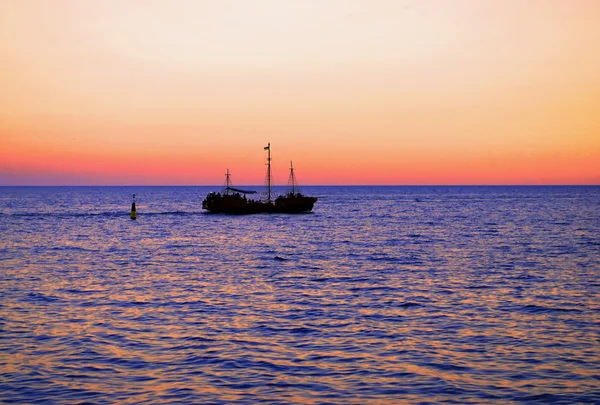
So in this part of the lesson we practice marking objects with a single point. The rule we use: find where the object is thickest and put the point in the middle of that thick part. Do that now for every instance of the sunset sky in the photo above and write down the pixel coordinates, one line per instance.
(128, 92)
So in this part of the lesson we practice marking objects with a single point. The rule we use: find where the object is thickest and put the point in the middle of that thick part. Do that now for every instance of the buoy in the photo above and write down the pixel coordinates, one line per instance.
(133, 214)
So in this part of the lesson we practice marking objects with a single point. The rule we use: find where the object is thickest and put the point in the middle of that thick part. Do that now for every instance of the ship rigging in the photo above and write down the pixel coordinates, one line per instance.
(234, 201)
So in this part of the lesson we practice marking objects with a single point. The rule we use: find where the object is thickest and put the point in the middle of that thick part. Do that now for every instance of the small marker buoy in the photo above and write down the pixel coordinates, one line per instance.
(133, 214)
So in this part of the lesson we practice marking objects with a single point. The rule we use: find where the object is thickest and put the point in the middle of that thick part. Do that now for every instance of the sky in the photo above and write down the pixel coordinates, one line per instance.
(400, 92)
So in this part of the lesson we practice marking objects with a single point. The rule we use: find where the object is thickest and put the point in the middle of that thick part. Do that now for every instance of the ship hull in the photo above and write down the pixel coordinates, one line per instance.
(238, 205)
(294, 204)
(234, 204)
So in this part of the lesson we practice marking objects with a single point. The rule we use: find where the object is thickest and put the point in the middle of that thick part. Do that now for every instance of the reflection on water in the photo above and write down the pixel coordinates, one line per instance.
(392, 294)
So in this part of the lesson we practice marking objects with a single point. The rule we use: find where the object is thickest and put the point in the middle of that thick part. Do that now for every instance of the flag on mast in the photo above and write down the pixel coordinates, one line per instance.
(267, 147)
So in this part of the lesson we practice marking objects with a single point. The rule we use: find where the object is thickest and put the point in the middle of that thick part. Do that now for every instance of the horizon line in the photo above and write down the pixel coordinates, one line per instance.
(311, 185)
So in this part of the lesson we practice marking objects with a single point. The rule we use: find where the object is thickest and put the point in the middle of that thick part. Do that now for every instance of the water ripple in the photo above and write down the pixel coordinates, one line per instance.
(382, 295)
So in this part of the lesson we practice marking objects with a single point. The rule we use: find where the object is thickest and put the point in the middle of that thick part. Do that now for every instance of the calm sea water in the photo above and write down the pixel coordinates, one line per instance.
(381, 295)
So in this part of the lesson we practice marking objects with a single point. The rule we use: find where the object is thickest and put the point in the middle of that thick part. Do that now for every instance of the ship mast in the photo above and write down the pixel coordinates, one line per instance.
(227, 182)
(292, 180)
(268, 149)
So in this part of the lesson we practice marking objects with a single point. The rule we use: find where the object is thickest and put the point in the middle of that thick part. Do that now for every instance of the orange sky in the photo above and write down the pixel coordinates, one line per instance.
(353, 91)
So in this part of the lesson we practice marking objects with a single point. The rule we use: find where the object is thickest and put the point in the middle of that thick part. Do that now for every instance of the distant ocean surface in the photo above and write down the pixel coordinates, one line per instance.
(382, 295)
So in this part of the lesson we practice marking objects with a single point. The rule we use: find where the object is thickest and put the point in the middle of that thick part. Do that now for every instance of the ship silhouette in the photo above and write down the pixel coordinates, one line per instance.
(233, 200)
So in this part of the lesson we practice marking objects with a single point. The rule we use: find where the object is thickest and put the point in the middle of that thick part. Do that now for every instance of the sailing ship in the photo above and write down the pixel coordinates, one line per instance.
(233, 200)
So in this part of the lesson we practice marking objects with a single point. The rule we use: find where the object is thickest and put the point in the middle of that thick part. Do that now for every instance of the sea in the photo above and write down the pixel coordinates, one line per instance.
(381, 295)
